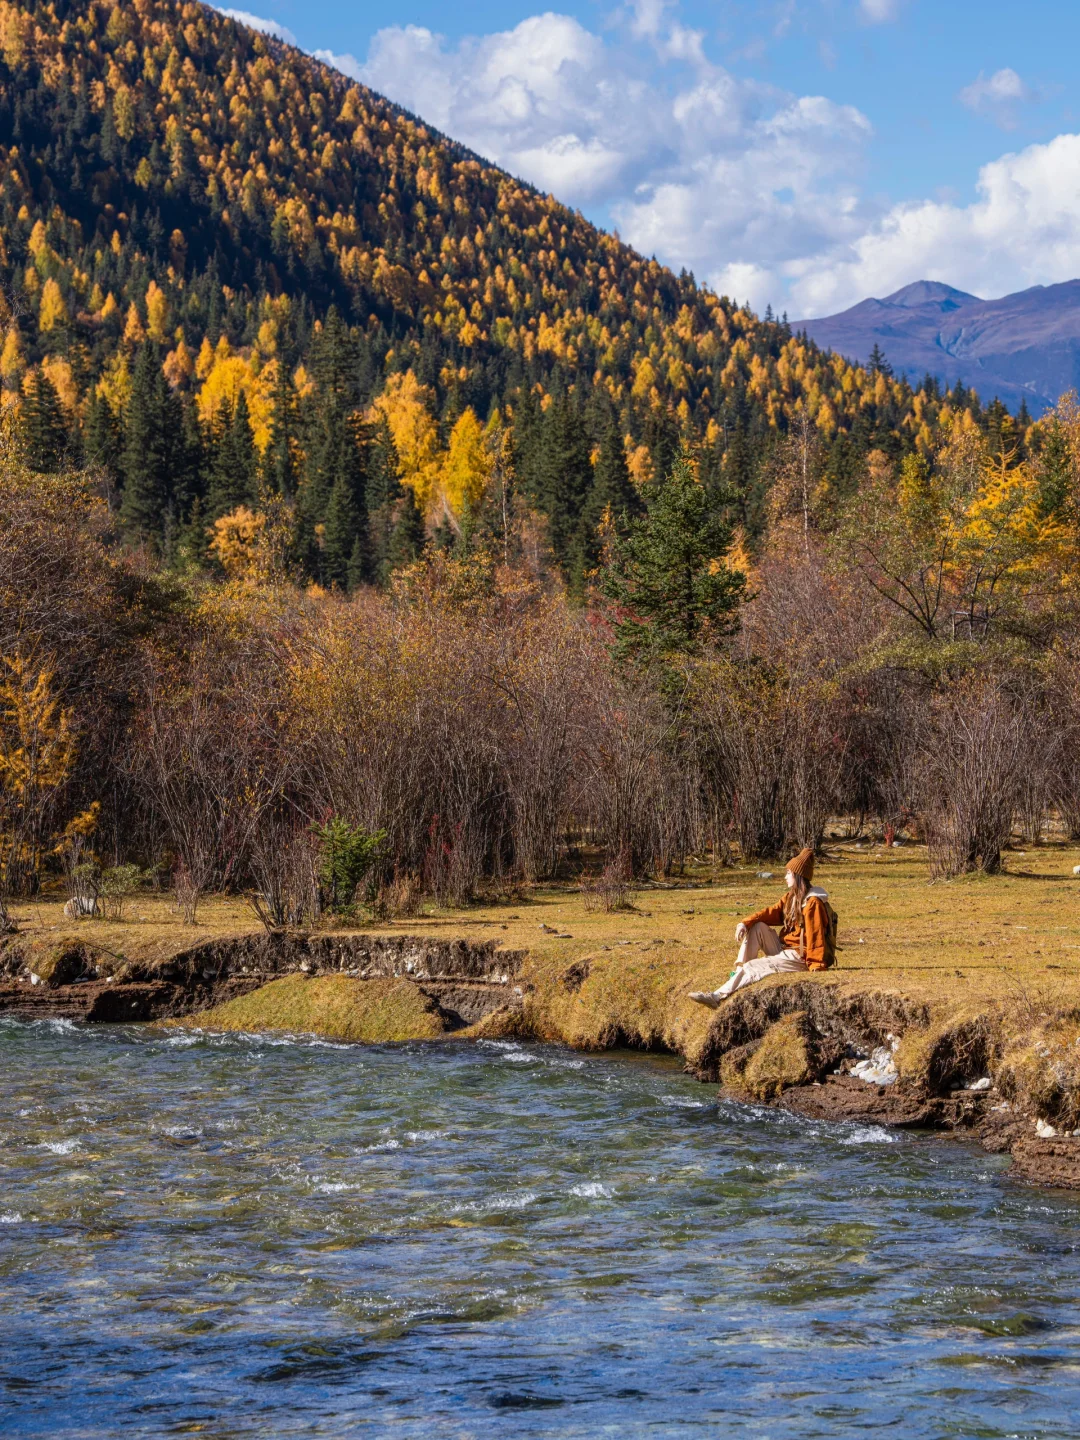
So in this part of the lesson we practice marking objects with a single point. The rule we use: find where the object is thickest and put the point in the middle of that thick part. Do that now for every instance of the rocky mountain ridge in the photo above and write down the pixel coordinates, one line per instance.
(1023, 347)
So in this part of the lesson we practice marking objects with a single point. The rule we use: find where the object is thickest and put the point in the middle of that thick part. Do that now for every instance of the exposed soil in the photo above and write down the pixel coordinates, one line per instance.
(466, 980)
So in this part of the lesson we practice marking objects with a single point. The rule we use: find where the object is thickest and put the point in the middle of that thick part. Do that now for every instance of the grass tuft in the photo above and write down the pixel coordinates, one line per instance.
(334, 1006)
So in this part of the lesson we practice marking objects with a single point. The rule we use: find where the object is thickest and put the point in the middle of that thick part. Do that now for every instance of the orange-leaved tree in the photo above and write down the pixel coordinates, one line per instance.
(37, 754)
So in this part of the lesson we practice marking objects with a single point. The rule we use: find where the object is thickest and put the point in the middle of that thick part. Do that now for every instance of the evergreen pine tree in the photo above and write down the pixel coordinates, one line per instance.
(341, 535)
(407, 536)
(357, 569)
(564, 480)
(613, 493)
(233, 464)
(384, 495)
(1055, 473)
(149, 445)
(877, 364)
(44, 433)
(662, 438)
(668, 575)
(335, 459)
(279, 461)
(103, 438)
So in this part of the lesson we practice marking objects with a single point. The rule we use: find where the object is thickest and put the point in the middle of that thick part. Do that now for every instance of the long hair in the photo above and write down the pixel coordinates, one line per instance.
(793, 902)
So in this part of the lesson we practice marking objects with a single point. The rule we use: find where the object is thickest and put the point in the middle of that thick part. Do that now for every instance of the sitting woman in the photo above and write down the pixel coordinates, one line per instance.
(806, 940)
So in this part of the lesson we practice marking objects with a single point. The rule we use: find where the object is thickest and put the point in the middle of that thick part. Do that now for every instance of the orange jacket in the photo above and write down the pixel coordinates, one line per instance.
(808, 938)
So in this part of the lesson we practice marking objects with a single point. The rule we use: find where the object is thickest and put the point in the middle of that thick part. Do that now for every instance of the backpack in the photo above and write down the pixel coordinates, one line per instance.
(832, 921)
(831, 946)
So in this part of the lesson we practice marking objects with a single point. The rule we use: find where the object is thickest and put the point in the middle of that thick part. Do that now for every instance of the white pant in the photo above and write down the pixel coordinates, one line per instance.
(775, 960)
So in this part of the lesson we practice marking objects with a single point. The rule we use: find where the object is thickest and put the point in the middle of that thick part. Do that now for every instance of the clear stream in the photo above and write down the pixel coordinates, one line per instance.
(253, 1237)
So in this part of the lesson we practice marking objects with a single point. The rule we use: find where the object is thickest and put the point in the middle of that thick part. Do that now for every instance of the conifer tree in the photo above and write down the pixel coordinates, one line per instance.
(384, 494)
(103, 438)
(151, 439)
(1055, 473)
(564, 480)
(341, 537)
(668, 577)
(613, 494)
(407, 536)
(279, 459)
(334, 465)
(234, 465)
(44, 433)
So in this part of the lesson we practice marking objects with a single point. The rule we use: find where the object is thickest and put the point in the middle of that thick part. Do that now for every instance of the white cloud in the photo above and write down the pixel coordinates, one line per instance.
(256, 22)
(997, 96)
(1023, 229)
(542, 99)
(704, 171)
(879, 12)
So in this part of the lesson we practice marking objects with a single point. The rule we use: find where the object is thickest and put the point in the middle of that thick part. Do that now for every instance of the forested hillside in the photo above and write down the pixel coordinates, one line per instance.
(260, 299)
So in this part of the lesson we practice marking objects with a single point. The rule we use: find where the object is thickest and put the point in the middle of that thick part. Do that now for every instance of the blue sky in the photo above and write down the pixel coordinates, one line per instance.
(805, 153)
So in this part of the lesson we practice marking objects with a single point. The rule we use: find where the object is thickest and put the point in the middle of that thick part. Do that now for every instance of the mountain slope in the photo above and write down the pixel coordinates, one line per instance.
(1021, 348)
(187, 206)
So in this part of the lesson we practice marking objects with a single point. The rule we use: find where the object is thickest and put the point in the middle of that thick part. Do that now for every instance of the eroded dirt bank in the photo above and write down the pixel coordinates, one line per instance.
(462, 981)
(1011, 1081)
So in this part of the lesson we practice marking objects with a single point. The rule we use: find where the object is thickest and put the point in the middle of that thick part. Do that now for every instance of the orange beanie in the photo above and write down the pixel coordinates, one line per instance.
(802, 864)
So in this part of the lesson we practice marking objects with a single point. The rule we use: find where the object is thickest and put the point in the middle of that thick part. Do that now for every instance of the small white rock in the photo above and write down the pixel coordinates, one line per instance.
(896, 844)
(1044, 1131)
(880, 1069)
(1076, 869)
(984, 1084)
(764, 874)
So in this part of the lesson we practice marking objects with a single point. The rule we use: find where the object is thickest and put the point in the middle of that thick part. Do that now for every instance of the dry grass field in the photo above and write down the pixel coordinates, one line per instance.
(975, 939)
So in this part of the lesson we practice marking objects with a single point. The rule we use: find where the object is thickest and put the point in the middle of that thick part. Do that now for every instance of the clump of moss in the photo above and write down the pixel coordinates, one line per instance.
(335, 1006)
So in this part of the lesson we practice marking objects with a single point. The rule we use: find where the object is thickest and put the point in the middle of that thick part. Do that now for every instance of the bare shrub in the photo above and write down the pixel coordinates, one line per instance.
(387, 735)
(541, 670)
(775, 748)
(400, 898)
(1064, 709)
(283, 860)
(209, 755)
(613, 889)
(774, 715)
(978, 739)
(639, 794)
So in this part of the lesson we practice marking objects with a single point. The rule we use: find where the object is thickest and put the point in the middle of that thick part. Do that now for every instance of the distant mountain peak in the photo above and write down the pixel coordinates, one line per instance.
(1022, 347)
(930, 292)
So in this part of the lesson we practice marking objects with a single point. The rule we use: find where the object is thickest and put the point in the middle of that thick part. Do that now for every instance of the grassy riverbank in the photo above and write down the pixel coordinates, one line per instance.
(979, 938)
(973, 977)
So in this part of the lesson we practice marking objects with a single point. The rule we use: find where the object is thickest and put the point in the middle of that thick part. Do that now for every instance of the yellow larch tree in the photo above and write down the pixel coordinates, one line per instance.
(404, 405)
(468, 465)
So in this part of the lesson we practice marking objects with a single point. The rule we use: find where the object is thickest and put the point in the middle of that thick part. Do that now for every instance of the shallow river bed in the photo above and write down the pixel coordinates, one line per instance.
(252, 1237)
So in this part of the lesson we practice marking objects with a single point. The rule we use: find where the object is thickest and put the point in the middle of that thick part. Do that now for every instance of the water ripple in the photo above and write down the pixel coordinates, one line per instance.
(280, 1237)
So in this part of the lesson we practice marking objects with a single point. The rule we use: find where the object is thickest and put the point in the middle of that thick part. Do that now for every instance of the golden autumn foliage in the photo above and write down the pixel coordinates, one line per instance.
(37, 752)
(405, 405)
(262, 162)
(468, 465)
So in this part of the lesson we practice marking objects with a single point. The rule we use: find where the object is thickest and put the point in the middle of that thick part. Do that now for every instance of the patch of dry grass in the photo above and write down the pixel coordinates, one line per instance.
(372, 1012)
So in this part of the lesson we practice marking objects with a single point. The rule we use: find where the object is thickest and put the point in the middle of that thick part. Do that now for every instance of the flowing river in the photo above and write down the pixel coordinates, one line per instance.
(253, 1237)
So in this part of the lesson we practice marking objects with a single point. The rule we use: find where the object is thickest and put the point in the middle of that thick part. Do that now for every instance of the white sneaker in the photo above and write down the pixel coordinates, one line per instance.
(711, 998)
